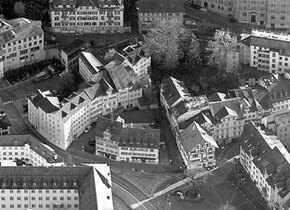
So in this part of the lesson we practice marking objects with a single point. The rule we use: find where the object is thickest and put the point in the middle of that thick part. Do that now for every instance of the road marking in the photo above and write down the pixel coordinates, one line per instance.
(141, 204)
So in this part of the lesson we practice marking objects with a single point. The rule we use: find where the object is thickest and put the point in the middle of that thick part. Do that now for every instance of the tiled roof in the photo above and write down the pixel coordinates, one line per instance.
(216, 97)
(149, 97)
(194, 135)
(280, 91)
(160, 6)
(201, 117)
(246, 41)
(269, 155)
(262, 95)
(74, 46)
(139, 137)
(40, 148)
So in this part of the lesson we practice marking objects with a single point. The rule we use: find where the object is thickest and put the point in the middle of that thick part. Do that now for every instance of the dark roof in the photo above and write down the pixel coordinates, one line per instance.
(149, 97)
(202, 117)
(139, 116)
(139, 137)
(103, 124)
(247, 95)
(280, 91)
(266, 158)
(269, 43)
(160, 6)
(247, 72)
(43, 103)
(170, 91)
(216, 96)
(246, 41)
(74, 46)
(262, 95)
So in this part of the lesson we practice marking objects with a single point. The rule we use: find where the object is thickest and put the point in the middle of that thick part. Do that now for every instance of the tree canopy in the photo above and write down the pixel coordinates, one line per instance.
(67, 85)
(19, 8)
(171, 43)
(222, 42)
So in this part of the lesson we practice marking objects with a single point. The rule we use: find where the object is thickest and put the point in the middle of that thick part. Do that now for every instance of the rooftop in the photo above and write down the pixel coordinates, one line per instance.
(92, 63)
(74, 46)
(160, 6)
(139, 116)
(269, 155)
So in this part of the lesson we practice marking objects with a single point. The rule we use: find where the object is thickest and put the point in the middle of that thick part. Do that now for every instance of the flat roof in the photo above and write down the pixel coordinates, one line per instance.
(93, 62)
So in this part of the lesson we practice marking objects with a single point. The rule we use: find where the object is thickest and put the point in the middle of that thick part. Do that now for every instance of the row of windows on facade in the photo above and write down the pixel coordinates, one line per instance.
(87, 18)
(87, 12)
(20, 41)
(8, 50)
(137, 149)
(87, 24)
(138, 154)
(40, 198)
(13, 55)
(40, 206)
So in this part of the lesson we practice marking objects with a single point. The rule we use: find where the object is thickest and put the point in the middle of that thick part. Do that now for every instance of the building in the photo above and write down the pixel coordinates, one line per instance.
(197, 147)
(278, 14)
(269, 51)
(137, 119)
(69, 55)
(60, 122)
(30, 149)
(86, 187)
(22, 43)
(130, 144)
(232, 59)
(151, 12)
(278, 122)
(267, 162)
(88, 16)
(224, 8)
(244, 46)
(149, 99)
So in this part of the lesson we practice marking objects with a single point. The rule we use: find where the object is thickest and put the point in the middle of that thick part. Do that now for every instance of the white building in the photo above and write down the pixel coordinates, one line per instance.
(21, 43)
(59, 122)
(268, 163)
(130, 144)
(88, 16)
(30, 149)
(269, 51)
(72, 188)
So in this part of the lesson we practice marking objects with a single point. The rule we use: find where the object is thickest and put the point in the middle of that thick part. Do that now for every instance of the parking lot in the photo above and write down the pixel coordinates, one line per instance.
(33, 71)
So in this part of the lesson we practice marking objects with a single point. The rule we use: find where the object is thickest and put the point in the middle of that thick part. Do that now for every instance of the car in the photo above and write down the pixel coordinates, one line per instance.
(196, 6)
(87, 129)
(92, 142)
(189, 23)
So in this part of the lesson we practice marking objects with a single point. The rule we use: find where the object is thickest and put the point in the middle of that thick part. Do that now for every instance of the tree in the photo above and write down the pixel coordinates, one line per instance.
(66, 85)
(19, 8)
(191, 51)
(163, 43)
(222, 43)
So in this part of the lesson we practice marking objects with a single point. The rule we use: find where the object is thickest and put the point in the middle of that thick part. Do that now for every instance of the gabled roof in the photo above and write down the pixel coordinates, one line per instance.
(46, 101)
(217, 96)
(139, 116)
(92, 63)
(193, 135)
(103, 124)
(262, 95)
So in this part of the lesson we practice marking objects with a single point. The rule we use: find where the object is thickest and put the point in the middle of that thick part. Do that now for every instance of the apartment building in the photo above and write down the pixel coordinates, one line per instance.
(88, 16)
(278, 14)
(130, 144)
(21, 43)
(267, 162)
(269, 51)
(60, 122)
(74, 188)
(30, 149)
(152, 11)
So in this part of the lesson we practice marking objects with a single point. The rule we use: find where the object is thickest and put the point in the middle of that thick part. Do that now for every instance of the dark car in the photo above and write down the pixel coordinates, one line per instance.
(195, 6)
(92, 142)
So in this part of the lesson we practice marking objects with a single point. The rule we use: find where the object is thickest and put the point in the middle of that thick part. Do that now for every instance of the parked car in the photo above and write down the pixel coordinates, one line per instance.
(87, 129)
(196, 6)
(92, 142)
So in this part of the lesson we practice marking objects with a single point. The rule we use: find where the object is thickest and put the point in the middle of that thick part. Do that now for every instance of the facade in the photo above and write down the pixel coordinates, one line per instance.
(224, 8)
(22, 43)
(4, 121)
(244, 50)
(267, 162)
(28, 148)
(232, 60)
(269, 51)
(151, 12)
(89, 16)
(69, 55)
(130, 144)
(278, 14)
(72, 188)
(59, 122)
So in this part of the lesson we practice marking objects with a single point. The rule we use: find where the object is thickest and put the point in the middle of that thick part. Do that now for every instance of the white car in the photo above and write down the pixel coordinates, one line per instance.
(87, 129)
